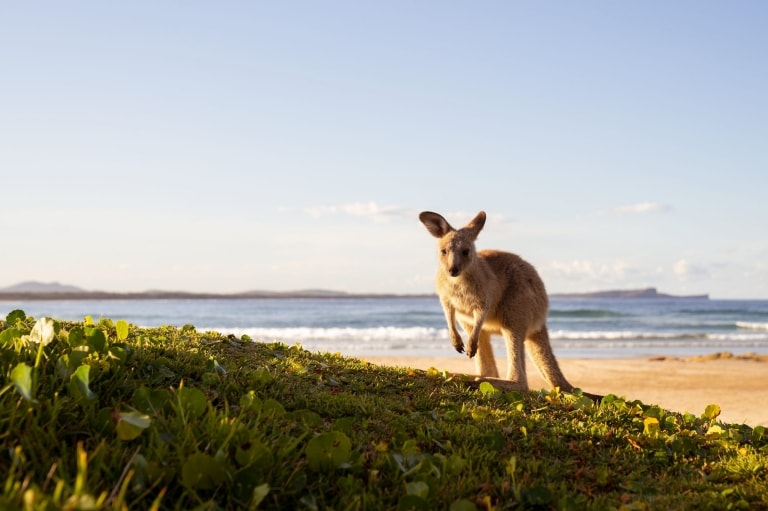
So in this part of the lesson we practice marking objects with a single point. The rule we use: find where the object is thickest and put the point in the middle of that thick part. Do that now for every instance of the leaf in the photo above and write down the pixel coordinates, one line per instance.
(328, 451)
(251, 400)
(308, 418)
(487, 389)
(43, 332)
(192, 401)
(76, 337)
(651, 426)
(413, 503)
(583, 402)
(150, 401)
(21, 377)
(463, 505)
(117, 353)
(79, 381)
(202, 472)
(213, 366)
(96, 339)
(711, 412)
(254, 452)
(273, 407)
(715, 431)
(122, 329)
(259, 494)
(131, 424)
(480, 412)
(7, 337)
(418, 488)
(14, 316)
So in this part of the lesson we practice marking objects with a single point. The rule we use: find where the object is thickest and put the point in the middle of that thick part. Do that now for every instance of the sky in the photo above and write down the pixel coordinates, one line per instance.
(233, 146)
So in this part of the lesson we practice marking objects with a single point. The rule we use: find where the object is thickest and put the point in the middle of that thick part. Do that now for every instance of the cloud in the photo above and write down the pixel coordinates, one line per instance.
(578, 270)
(639, 208)
(383, 214)
(370, 210)
(686, 271)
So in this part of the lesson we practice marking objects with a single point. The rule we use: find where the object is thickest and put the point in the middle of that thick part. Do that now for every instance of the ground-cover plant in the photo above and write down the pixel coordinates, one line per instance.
(105, 415)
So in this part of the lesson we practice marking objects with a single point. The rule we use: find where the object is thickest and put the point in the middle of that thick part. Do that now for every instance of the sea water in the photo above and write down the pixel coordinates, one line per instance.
(415, 326)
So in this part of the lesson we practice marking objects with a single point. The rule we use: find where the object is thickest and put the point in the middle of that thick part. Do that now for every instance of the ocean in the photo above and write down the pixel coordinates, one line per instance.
(414, 326)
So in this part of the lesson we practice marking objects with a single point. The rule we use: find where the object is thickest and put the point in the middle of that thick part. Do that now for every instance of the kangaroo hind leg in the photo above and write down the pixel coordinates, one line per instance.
(544, 358)
(516, 358)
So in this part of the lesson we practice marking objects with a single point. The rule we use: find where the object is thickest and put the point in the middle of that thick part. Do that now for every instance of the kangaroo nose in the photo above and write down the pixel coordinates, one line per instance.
(454, 271)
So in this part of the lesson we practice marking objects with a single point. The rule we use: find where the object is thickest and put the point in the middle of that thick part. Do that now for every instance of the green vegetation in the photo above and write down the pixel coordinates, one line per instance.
(105, 415)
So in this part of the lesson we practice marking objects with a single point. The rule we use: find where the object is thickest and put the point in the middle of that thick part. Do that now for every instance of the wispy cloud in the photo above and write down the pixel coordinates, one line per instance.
(587, 270)
(639, 208)
(370, 210)
(382, 214)
(684, 270)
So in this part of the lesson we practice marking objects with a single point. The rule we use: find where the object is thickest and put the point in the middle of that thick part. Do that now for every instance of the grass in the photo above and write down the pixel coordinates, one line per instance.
(105, 415)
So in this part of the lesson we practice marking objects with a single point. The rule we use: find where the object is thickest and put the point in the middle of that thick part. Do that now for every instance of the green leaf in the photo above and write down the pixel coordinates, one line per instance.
(711, 412)
(7, 337)
(77, 356)
(463, 505)
(14, 316)
(96, 339)
(79, 383)
(202, 472)
(117, 353)
(328, 451)
(21, 377)
(651, 426)
(76, 336)
(412, 503)
(487, 389)
(43, 332)
(254, 452)
(273, 407)
(150, 401)
(251, 400)
(213, 366)
(418, 488)
(715, 431)
(131, 424)
(122, 329)
(583, 402)
(259, 494)
(192, 401)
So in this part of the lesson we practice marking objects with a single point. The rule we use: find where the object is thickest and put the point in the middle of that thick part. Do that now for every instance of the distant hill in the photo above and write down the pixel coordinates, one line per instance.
(41, 287)
(53, 290)
(649, 292)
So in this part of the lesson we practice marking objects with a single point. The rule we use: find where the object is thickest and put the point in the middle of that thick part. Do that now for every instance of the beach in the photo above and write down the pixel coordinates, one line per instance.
(737, 383)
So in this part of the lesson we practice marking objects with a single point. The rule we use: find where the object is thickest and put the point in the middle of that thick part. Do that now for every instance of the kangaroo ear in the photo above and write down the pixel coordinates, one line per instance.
(435, 224)
(477, 223)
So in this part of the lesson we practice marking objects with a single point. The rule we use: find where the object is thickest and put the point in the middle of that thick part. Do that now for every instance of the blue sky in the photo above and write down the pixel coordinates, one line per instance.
(230, 146)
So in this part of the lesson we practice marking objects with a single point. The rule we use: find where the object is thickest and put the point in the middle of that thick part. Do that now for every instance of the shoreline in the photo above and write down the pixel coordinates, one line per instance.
(736, 383)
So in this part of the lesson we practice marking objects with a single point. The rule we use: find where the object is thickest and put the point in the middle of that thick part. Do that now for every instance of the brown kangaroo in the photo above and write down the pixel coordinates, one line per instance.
(492, 292)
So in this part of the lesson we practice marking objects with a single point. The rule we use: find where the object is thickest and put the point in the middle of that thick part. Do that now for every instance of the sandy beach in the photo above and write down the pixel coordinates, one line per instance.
(737, 383)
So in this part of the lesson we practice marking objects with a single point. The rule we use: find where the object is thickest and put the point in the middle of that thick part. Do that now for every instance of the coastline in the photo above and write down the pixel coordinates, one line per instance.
(736, 383)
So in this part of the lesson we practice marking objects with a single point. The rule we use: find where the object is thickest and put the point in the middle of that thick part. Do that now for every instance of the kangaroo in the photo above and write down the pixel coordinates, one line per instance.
(492, 292)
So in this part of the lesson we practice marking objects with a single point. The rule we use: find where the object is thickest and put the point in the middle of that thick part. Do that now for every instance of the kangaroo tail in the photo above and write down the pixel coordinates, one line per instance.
(546, 363)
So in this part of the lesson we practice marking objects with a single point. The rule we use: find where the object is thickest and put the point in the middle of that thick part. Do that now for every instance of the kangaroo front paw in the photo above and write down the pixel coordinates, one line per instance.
(458, 344)
(472, 347)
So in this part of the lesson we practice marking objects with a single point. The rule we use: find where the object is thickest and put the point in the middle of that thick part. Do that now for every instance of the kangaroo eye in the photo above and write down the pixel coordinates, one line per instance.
(465, 252)
(443, 251)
